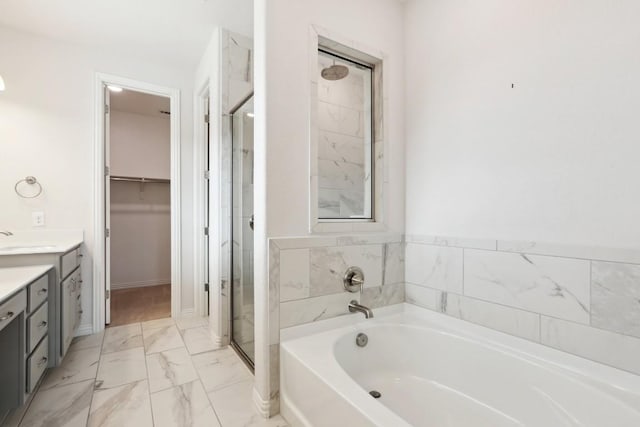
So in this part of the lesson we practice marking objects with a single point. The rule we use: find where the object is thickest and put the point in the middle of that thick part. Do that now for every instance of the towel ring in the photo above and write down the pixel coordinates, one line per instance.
(31, 180)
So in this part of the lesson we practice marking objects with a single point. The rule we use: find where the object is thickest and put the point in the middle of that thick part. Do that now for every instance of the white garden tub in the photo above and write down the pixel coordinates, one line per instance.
(437, 371)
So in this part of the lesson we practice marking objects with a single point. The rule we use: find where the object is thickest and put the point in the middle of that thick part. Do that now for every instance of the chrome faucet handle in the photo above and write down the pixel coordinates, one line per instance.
(353, 279)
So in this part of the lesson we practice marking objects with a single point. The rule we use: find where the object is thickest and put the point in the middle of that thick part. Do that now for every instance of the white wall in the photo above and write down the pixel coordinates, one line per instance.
(552, 159)
(140, 145)
(47, 130)
(140, 235)
(140, 215)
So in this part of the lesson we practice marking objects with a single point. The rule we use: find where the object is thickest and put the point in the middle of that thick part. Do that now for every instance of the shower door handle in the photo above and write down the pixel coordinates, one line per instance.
(251, 222)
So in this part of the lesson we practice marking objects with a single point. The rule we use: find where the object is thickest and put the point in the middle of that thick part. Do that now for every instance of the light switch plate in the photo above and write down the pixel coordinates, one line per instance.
(37, 219)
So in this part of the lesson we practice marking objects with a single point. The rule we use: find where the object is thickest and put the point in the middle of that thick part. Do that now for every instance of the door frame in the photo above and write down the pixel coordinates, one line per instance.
(101, 80)
(199, 168)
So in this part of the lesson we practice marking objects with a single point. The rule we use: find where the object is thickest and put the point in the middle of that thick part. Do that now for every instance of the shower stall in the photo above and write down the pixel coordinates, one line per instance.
(242, 306)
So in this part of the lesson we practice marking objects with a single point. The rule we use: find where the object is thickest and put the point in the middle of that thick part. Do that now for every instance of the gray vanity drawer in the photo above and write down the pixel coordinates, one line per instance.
(37, 363)
(69, 262)
(38, 292)
(12, 308)
(37, 326)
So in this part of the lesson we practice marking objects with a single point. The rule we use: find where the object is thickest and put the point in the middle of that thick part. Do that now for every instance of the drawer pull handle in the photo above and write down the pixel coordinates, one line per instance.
(9, 315)
(42, 291)
(42, 324)
(43, 360)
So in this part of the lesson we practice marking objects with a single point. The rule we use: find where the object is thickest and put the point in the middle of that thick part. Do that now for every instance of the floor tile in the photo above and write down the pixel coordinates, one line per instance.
(191, 322)
(86, 341)
(161, 339)
(120, 338)
(64, 406)
(121, 367)
(170, 368)
(128, 405)
(158, 323)
(220, 368)
(184, 406)
(77, 366)
(198, 340)
(234, 407)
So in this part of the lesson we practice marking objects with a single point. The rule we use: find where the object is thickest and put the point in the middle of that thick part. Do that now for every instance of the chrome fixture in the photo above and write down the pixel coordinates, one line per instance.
(31, 180)
(354, 307)
(362, 339)
(353, 279)
(375, 394)
(6, 233)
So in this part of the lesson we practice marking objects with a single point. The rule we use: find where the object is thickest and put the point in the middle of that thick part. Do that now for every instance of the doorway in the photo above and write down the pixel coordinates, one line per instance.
(137, 200)
(242, 224)
(139, 209)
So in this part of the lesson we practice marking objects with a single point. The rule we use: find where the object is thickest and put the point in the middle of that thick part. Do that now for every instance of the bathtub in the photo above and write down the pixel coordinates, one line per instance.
(437, 371)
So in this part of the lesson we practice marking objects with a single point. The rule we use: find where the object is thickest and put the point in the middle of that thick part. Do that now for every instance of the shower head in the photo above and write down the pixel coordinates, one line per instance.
(335, 72)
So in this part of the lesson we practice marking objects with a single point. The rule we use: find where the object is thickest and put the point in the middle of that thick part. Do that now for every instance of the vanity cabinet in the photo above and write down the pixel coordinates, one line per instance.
(24, 332)
(63, 294)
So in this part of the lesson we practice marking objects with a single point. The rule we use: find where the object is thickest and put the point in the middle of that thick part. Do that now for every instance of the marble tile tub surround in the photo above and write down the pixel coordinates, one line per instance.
(305, 282)
(582, 300)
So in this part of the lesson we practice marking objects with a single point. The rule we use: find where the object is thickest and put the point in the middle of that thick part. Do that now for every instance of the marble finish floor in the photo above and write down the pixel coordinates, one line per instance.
(140, 304)
(155, 373)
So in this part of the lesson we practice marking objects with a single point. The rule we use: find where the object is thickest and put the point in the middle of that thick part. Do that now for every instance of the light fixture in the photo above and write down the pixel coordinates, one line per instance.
(114, 88)
(1, 84)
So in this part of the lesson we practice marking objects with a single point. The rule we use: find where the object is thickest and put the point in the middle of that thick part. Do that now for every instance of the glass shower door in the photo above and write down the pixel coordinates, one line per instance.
(242, 320)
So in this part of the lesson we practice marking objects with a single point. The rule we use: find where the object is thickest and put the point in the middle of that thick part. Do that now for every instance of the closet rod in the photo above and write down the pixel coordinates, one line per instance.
(143, 180)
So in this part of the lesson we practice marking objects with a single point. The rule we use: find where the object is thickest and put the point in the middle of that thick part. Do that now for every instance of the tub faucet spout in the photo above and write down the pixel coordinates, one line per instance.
(354, 307)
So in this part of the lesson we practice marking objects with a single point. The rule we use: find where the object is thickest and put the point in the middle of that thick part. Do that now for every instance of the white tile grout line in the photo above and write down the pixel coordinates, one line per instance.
(95, 380)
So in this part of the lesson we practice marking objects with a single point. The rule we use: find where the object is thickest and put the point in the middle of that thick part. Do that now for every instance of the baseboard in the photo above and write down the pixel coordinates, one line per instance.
(86, 329)
(140, 284)
(189, 312)
(263, 406)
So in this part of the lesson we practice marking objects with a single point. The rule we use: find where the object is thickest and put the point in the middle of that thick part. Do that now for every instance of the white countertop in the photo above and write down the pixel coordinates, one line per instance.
(24, 242)
(13, 279)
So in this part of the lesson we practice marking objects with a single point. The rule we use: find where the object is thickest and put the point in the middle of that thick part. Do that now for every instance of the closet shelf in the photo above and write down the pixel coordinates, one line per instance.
(140, 179)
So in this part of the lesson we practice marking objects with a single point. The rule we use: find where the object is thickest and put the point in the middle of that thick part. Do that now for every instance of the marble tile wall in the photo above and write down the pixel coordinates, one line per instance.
(577, 299)
(305, 281)
(343, 142)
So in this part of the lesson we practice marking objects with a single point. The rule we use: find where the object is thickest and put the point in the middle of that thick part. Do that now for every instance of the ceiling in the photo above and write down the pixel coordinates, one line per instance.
(139, 103)
(162, 30)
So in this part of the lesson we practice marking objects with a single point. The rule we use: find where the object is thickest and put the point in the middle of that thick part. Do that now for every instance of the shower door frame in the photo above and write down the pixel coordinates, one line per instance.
(238, 349)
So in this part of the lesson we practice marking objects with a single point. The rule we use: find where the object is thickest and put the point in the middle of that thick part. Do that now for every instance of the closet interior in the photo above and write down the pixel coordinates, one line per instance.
(139, 207)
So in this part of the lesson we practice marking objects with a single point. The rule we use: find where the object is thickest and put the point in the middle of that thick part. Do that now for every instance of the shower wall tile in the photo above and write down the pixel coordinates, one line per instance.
(314, 309)
(625, 255)
(340, 148)
(434, 266)
(612, 349)
(336, 118)
(615, 297)
(553, 286)
(328, 266)
(453, 242)
(423, 297)
(382, 296)
(394, 263)
(512, 321)
(294, 276)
